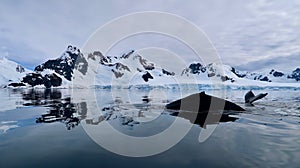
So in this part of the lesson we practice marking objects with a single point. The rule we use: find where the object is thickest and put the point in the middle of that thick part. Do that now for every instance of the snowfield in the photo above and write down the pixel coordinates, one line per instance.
(9, 73)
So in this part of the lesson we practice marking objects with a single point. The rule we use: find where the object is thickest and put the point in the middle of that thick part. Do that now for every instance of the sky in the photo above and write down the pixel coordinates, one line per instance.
(250, 35)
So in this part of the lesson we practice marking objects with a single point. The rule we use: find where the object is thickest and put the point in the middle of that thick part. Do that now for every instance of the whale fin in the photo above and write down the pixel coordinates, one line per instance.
(250, 97)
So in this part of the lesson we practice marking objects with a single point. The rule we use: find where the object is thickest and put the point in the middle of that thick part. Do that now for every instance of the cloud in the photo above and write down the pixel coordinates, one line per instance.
(242, 31)
(280, 63)
(270, 32)
(47, 28)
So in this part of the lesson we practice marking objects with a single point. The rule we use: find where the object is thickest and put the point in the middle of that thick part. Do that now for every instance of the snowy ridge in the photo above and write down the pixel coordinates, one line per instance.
(128, 69)
(11, 72)
(131, 70)
(271, 76)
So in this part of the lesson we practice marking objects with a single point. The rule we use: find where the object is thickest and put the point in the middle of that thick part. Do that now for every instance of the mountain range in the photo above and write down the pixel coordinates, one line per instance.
(74, 68)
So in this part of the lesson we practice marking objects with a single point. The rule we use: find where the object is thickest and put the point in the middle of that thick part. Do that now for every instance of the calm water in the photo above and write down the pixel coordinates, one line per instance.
(48, 128)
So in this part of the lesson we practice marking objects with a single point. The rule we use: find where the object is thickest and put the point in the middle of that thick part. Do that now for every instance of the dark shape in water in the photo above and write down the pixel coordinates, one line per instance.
(41, 97)
(61, 112)
(146, 99)
(250, 97)
(59, 109)
(202, 119)
(201, 102)
(16, 84)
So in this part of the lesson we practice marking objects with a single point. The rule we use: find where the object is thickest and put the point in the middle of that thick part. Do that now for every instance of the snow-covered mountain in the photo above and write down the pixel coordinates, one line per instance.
(76, 69)
(221, 72)
(131, 69)
(65, 64)
(233, 75)
(134, 69)
(271, 75)
(58, 72)
(11, 72)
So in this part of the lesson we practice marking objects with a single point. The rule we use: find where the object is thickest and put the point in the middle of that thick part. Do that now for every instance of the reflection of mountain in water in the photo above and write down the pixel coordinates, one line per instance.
(60, 109)
(113, 113)
(119, 111)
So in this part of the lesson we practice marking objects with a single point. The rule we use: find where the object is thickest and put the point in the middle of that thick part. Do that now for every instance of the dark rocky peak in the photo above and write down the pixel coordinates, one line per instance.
(61, 67)
(33, 79)
(52, 80)
(212, 71)
(147, 76)
(262, 78)
(73, 49)
(20, 69)
(295, 74)
(194, 68)
(48, 80)
(237, 73)
(145, 63)
(127, 55)
(167, 72)
(276, 73)
(120, 66)
(119, 69)
(64, 65)
(95, 54)
(197, 68)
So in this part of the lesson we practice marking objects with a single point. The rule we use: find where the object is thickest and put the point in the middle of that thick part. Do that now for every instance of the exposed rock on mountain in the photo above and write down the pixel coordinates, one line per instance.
(295, 75)
(64, 65)
(147, 76)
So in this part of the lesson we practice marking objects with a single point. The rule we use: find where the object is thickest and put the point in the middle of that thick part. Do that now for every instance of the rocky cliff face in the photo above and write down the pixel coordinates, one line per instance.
(64, 65)
(53, 72)
(295, 75)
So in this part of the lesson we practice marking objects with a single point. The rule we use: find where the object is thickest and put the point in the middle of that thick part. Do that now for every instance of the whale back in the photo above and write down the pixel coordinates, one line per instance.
(201, 102)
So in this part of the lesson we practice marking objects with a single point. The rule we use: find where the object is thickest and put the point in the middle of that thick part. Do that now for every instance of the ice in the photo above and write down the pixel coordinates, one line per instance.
(7, 125)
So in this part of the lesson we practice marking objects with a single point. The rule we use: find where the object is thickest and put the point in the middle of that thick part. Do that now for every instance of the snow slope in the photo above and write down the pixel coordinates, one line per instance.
(11, 72)
(125, 70)
(132, 69)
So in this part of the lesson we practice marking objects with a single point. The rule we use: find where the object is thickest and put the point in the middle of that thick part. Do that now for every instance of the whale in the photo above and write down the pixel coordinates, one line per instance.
(201, 102)
(250, 98)
(197, 107)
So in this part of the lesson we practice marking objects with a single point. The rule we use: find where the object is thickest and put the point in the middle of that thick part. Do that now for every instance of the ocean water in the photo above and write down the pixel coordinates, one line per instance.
(66, 128)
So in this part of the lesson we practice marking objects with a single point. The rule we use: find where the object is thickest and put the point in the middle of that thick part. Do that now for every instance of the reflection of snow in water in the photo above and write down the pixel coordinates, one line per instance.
(7, 125)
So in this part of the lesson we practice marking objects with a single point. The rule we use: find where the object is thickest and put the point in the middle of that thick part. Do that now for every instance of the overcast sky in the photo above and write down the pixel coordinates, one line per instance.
(252, 34)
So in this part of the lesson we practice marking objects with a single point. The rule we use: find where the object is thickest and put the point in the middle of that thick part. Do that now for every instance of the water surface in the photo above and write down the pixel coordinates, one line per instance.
(46, 128)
